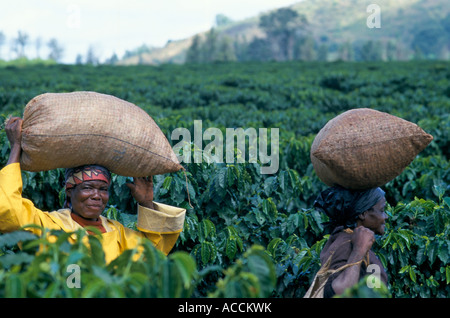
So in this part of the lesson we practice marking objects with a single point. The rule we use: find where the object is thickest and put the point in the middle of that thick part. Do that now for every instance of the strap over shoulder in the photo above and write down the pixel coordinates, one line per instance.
(320, 279)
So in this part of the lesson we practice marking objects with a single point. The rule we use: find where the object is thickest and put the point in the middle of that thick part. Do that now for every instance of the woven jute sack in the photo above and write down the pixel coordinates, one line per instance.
(365, 148)
(63, 130)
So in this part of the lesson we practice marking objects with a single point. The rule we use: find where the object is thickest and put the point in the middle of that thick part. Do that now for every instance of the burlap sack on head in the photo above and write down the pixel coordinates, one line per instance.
(364, 148)
(63, 130)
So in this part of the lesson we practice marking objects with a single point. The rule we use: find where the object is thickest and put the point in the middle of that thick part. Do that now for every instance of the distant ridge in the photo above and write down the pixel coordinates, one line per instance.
(335, 22)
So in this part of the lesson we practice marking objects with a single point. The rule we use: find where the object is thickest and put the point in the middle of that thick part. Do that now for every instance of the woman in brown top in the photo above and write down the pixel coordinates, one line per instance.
(355, 218)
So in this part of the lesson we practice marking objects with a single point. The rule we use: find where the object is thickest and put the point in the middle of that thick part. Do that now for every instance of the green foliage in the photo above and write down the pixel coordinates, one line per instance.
(65, 269)
(417, 248)
(254, 276)
(361, 290)
(248, 234)
(50, 272)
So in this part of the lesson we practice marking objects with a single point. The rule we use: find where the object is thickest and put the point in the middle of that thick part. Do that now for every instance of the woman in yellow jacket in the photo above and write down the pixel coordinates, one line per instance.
(87, 193)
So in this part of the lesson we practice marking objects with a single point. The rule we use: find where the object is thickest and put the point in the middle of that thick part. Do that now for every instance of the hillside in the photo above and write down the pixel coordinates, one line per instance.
(412, 25)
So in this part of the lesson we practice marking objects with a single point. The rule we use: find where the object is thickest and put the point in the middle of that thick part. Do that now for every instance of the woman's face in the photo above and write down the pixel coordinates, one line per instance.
(375, 218)
(89, 198)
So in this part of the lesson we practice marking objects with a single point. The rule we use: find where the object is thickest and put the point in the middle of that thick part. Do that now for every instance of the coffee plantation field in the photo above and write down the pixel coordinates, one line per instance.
(247, 234)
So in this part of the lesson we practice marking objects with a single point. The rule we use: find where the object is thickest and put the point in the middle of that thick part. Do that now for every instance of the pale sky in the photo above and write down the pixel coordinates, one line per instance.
(114, 26)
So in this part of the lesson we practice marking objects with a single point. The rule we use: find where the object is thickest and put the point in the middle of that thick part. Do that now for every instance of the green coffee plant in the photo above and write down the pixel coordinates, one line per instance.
(416, 249)
(252, 276)
(76, 269)
(48, 272)
(234, 206)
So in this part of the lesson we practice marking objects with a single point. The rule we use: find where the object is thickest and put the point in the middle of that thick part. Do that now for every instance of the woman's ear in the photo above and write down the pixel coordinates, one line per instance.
(68, 201)
(362, 216)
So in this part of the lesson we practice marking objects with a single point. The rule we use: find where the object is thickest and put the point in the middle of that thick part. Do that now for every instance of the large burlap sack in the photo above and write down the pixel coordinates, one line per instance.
(63, 130)
(364, 148)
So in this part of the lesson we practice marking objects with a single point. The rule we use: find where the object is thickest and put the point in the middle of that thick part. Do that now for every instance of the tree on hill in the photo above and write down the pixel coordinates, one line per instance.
(222, 20)
(20, 43)
(346, 52)
(215, 48)
(2, 41)
(210, 46)
(56, 50)
(259, 50)
(282, 27)
(91, 56)
(371, 51)
(225, 50)
(430, 40)
(304, 49)
(37, 45)
(193, 54)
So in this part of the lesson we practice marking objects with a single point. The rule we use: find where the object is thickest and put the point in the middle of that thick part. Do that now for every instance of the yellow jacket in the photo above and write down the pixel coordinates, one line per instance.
(161, 225)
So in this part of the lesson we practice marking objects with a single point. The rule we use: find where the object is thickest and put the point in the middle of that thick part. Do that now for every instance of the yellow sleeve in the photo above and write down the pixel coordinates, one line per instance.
(16, 211)
(162, 225)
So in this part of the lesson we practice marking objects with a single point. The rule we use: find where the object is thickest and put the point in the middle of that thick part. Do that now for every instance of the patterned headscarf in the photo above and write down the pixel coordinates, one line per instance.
(75, 176)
